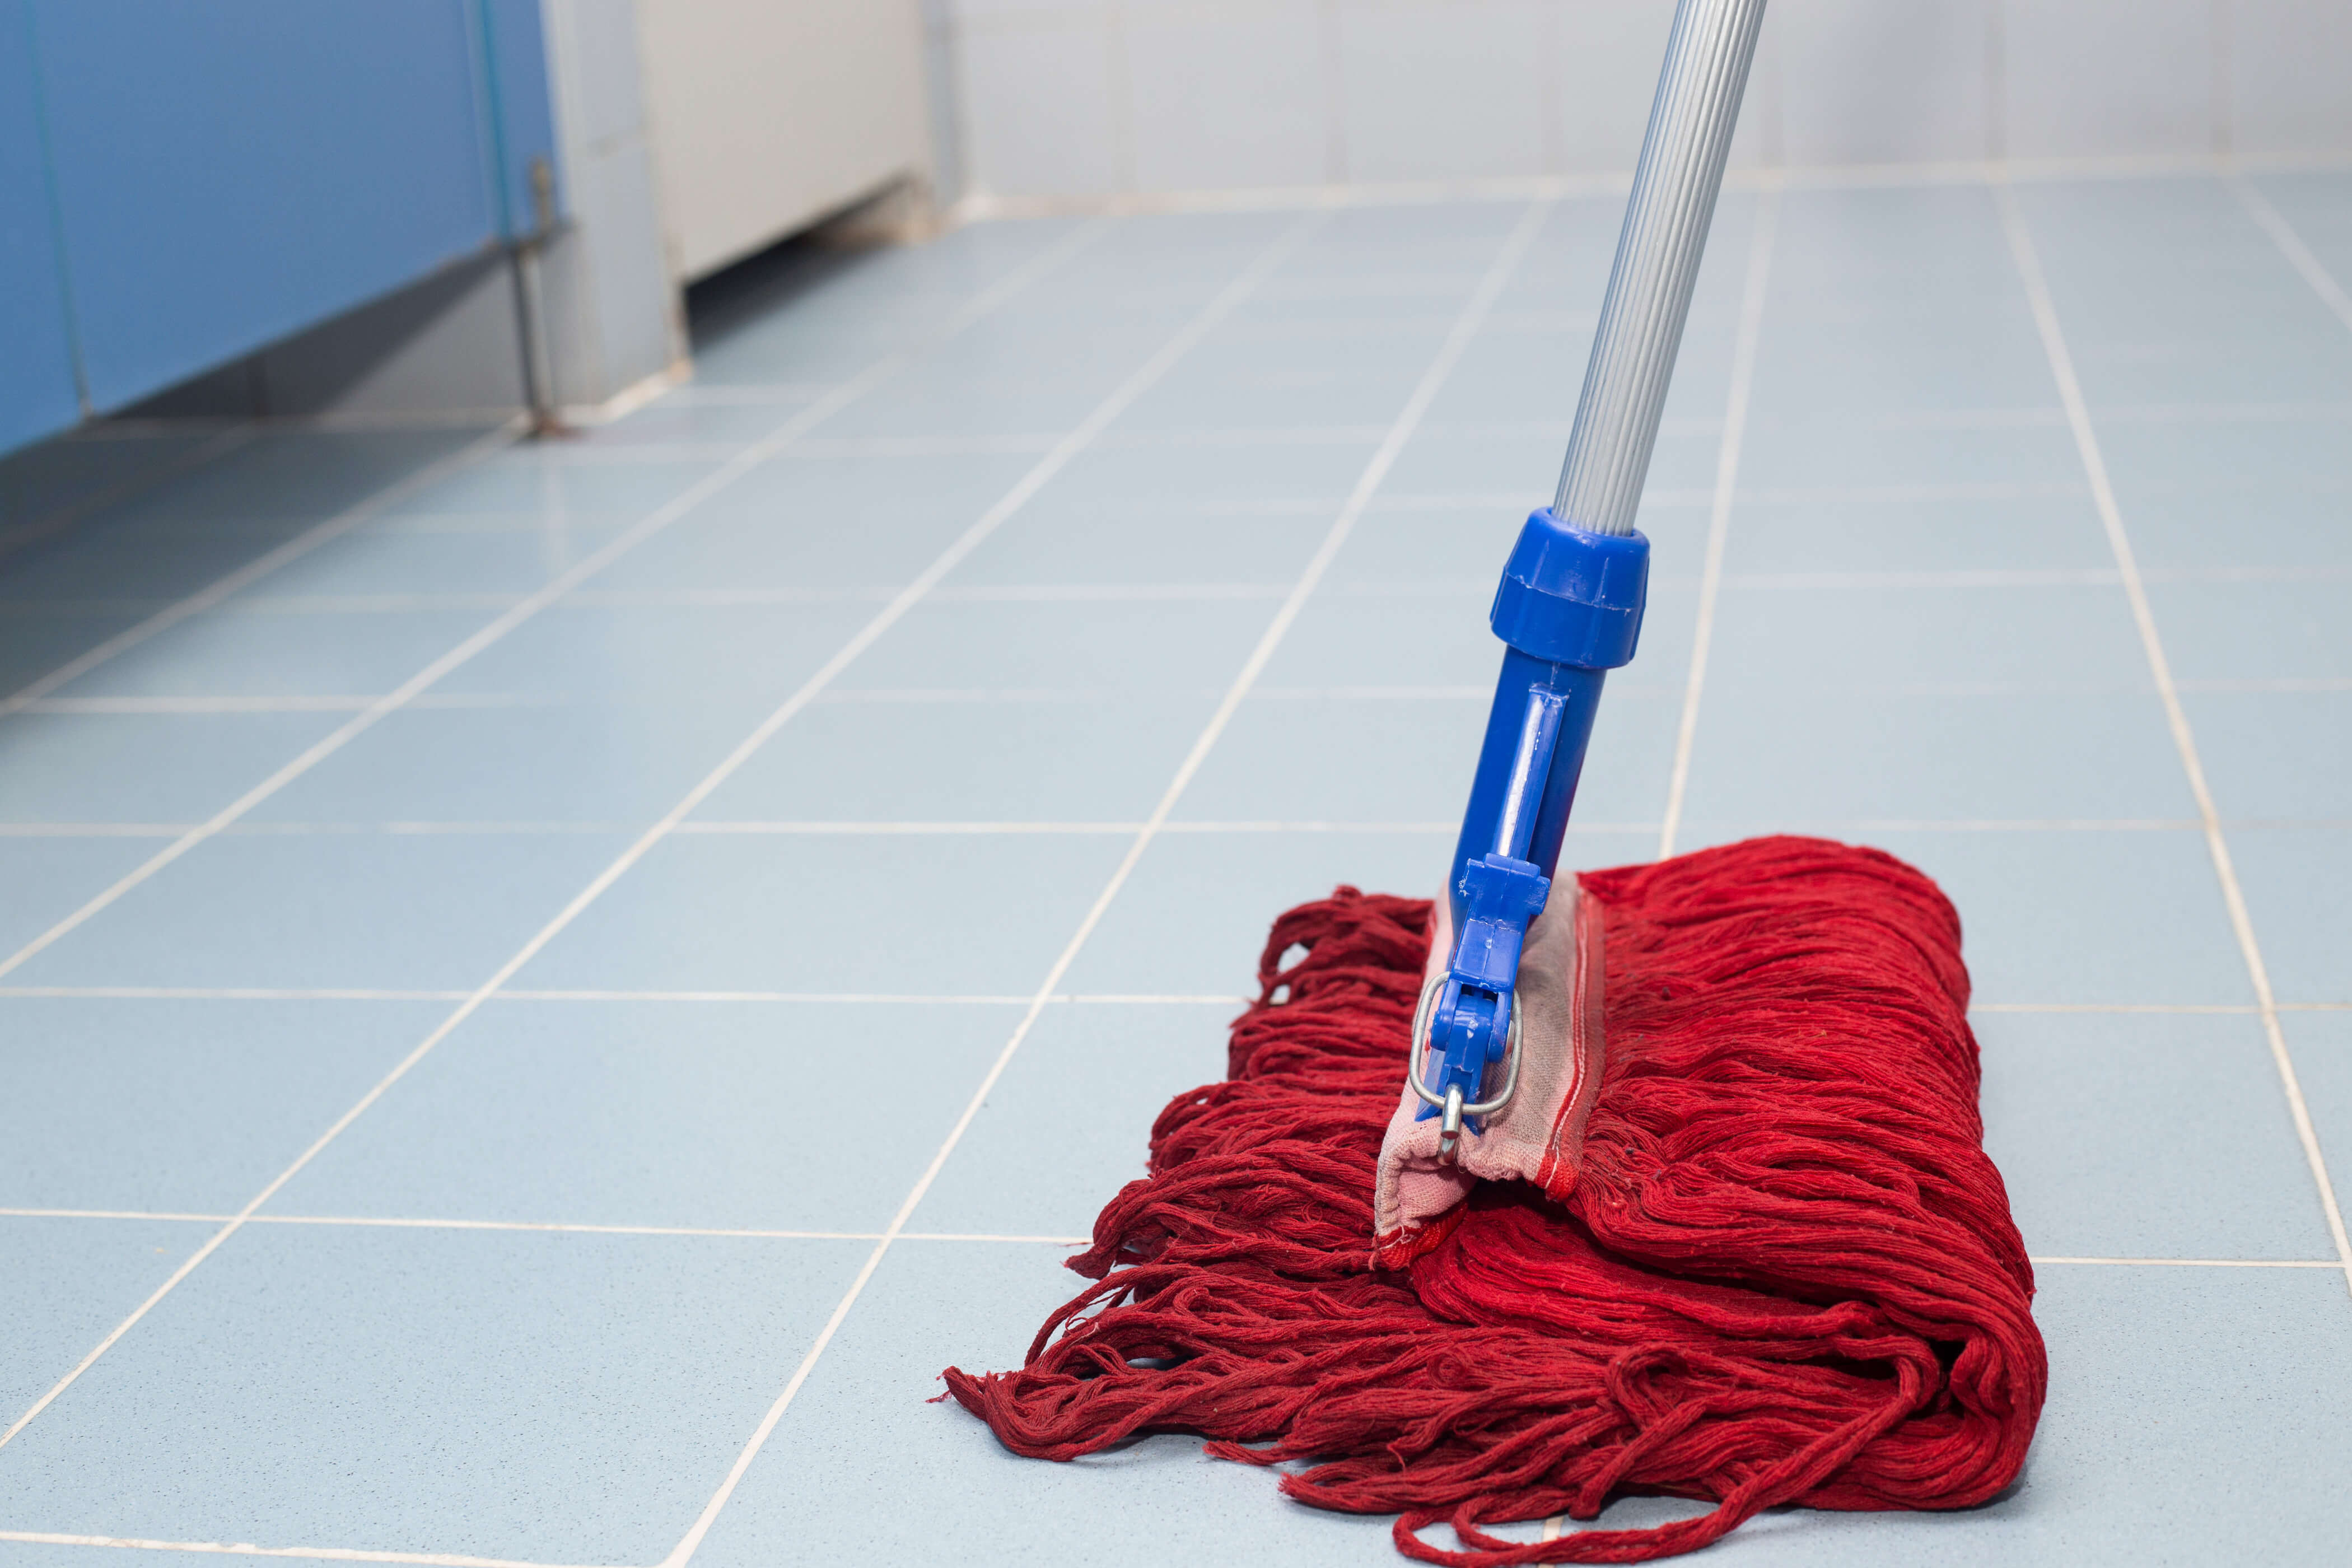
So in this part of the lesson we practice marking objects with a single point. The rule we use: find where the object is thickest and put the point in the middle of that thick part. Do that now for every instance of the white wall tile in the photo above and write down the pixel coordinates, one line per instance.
(2290, 75)
(1227, 95)
(1443, 90)
(1883, 81)
(1038, 98)
(2107, 78)
(1093, 96)
(1609, 53)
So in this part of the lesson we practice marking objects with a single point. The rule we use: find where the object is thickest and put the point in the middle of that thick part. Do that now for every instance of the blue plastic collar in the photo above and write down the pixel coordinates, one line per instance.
(1572, 597)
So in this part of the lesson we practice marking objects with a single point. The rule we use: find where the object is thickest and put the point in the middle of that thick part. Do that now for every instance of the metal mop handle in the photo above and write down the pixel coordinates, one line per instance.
(1569, 605)
(1658, 250)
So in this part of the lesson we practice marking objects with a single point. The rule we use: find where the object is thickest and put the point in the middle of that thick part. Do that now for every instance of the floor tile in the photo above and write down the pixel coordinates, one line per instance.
(2228, 492)
(1271, 376)
(1865, 358)
(2321, 1044)
(686, 419)
(143, 767)
(905, 914)
(181, 1106)
(611, 762)
(1069, 1122)
(252, 651)
(815, 1490)
(1194, 915)
(1080, 759)
(1410, 760)
(328, 911)
(65, 1283)
(1885, 635)
(2276, 755)
(1459, 547)
(539, 482)
(379, 564)
(1988, 532)
(154, 562)
(805, 521)
(37, 638)
(662, 652)
(1523, 364)
(1519, 463)
(555, 1398)
(1110, 645)
(294, 476)
(662, 1114)
(48, 879)
(1860, 462)
(55, 482)
(1801, 754)
(1001, 396)
(2273, 526)
(2073, 916)
(2298, 885)
(1318, 470)
(2146, 1135)
(1142, 542)
(2264, 629)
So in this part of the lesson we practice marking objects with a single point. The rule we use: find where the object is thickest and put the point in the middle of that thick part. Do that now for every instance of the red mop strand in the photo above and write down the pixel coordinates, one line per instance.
(1783, 1270)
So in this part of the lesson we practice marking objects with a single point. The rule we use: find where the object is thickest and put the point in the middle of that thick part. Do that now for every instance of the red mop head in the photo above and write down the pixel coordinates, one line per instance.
(1776, 1267)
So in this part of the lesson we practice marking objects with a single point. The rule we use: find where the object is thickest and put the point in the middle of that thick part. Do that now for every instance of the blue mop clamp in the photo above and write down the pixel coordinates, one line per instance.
(1570, 610)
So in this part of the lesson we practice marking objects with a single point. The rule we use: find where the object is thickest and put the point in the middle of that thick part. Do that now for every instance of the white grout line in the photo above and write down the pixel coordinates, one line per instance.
(1718, 522)
(1021, 277)
(2290, 244)
(253, 571)
(1376, 470)
(2094, 467)
(246, 1549)
(661, 518)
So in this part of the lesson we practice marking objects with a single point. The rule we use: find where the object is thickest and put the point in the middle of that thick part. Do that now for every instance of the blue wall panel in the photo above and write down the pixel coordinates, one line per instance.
(523, 106)
(230, 170)
(37, 376)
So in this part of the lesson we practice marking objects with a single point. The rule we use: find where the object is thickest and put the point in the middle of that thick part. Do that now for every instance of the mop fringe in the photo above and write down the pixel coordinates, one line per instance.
(1785, 1272)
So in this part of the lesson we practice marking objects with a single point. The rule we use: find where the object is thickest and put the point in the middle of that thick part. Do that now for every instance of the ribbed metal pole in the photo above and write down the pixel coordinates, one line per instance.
(1658, 251)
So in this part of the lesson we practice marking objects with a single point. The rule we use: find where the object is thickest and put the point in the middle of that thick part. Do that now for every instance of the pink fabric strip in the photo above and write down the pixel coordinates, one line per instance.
(1539, 1136)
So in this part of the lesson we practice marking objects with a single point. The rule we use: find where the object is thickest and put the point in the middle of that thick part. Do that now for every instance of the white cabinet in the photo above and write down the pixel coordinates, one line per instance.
(767, 114)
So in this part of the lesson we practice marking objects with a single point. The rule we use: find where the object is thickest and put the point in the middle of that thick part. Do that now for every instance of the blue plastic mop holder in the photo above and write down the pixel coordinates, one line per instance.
(1570, 610)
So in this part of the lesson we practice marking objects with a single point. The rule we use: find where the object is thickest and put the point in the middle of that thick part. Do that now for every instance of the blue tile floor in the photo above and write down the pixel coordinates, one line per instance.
(545, 990)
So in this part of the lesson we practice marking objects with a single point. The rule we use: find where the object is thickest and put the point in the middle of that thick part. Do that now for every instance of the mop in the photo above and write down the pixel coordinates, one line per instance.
(1683, 1192)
